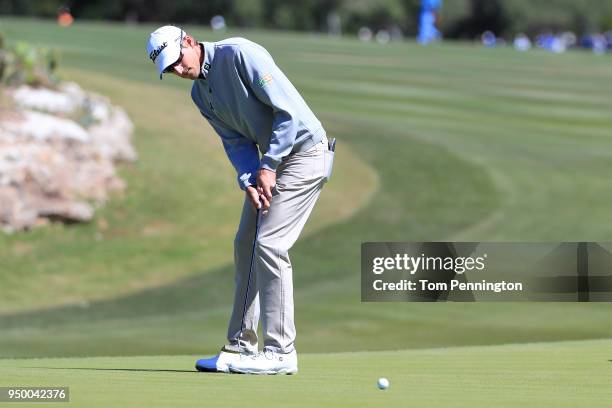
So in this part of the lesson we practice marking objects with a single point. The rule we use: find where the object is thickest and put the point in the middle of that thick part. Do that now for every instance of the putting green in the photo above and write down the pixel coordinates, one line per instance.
(564, 374)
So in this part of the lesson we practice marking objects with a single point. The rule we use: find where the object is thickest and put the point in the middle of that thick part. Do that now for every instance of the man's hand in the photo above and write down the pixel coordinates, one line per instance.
(257, 200)
(261, 194)
(266, 181)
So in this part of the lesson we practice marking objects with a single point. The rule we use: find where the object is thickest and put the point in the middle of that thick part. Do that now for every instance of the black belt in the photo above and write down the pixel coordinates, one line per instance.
(305, 145)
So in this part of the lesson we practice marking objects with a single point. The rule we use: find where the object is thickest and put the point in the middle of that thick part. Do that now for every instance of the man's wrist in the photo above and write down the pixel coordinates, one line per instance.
(269, 163)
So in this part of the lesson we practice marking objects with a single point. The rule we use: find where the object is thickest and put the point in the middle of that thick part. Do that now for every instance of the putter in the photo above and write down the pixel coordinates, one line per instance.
(246, 296)
(331, 145)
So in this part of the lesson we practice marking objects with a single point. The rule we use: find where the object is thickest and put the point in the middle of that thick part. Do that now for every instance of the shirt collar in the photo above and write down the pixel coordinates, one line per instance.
(209, 55)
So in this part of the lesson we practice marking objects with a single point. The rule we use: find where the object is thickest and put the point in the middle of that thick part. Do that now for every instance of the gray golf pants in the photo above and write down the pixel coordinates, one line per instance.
(299, 180)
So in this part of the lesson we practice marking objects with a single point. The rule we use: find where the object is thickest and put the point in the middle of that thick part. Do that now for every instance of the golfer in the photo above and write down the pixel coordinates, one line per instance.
(282, 156)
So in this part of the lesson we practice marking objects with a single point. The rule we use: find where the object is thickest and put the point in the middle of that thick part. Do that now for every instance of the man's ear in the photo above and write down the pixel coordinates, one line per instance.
(189, 40)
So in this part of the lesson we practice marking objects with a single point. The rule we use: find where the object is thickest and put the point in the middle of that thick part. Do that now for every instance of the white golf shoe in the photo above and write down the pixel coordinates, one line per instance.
(219, 363)
(265, 362)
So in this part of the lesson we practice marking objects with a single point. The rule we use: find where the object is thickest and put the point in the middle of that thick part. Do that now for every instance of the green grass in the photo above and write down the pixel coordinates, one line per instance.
(566, 374)
(441, 143)
(177, 219)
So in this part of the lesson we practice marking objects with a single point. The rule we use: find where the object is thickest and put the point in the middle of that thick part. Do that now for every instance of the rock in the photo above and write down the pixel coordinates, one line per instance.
(68, 211)
(42, 127)
(15, 214)
(48, 100)
(112, 137)
(53, 168)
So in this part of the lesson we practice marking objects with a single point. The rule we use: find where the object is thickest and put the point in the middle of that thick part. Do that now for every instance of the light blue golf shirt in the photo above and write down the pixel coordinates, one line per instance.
(250, 103)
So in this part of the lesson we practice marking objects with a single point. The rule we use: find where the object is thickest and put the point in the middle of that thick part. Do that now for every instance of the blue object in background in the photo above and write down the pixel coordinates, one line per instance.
(427, 21)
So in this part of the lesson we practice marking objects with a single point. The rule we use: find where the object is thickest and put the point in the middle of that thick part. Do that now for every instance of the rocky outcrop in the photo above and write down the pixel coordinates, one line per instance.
(58, 150)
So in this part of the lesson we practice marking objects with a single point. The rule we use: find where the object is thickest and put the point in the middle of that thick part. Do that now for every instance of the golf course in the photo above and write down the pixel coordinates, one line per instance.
(449, 142)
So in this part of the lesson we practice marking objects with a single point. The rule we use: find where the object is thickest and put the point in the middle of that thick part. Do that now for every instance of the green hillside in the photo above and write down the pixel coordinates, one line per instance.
(451, 142)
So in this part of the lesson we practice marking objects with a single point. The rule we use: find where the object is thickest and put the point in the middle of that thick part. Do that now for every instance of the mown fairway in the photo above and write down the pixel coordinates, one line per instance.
(451, 142)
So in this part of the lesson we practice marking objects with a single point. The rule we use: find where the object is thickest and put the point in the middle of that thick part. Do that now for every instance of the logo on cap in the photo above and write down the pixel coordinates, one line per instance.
(155, 53)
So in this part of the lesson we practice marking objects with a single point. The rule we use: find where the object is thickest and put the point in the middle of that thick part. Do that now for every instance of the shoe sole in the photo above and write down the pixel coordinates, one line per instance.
(265, 372)
(211, 370)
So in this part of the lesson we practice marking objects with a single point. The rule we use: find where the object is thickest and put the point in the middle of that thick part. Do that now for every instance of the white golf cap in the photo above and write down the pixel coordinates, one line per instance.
(164, 47)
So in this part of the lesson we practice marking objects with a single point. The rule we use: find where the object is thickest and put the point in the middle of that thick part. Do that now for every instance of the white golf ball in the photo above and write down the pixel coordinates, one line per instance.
(383, 383)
